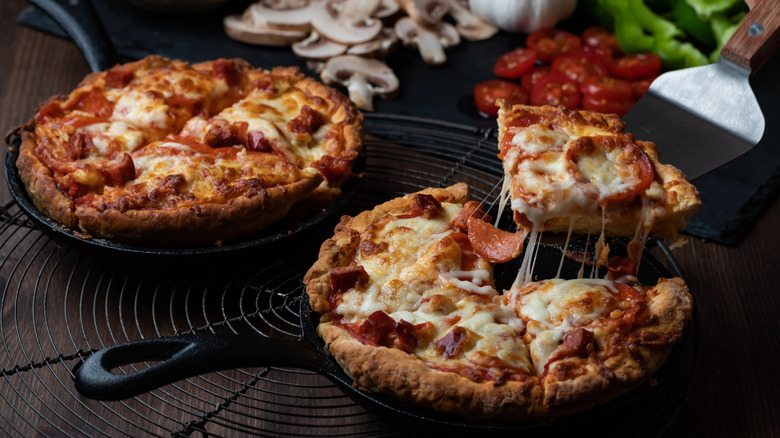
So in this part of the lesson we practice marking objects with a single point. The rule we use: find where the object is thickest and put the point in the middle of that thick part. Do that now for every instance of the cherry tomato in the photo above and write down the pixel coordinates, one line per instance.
(604, 106)
(578, 64)
(515, 63)
(604, 54)
(636, 65)
(640, 86)
(549, 43)
(597, 36)
(486, 93)
(529, 78)
(556, 90)
(607, 88)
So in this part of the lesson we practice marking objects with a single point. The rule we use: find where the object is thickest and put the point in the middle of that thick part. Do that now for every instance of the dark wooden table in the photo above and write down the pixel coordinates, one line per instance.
(736, 388)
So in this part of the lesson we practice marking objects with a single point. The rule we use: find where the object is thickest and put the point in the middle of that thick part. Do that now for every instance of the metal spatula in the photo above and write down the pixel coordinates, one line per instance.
(702, 117)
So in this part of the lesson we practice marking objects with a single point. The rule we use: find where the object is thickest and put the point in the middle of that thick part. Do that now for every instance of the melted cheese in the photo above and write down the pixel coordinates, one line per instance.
(421, 262)
(552, 307)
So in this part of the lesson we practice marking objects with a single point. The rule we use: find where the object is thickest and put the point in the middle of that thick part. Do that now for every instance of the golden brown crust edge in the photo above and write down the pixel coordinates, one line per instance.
(40, 186)
(207, 224)
(394, 372)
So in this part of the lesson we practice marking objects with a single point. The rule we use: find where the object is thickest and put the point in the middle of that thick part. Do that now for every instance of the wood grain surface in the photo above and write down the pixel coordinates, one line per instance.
(736, 392)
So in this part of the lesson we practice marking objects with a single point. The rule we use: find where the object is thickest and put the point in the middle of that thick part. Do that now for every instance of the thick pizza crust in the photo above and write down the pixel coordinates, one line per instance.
(40, 186)
(205, 224)
(569, 385)
(394, 372)
(299, 194)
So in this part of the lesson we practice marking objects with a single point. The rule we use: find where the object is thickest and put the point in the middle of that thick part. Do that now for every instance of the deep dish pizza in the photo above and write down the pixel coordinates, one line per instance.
(160, 151)
(409, 307)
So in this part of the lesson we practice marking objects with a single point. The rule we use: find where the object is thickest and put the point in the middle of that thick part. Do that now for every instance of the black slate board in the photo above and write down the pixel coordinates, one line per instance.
(733, 196)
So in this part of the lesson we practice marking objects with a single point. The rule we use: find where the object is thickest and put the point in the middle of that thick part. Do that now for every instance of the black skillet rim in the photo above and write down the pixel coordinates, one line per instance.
(277, 234)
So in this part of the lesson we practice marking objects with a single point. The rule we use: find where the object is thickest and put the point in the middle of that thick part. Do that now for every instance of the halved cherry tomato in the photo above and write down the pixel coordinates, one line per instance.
(529, 79)
(607, 88)
(549, 43)
(578, 64)
(606, 106)
(556, 90)
(597, 36)
(603, 54)
(515, 63)
(636, 65)
(486, 93)
(640, 86)
(494, 244)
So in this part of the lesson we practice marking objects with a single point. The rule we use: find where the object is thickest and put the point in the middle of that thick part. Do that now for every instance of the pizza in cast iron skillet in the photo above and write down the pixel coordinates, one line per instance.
(162, 152)
(409, 305)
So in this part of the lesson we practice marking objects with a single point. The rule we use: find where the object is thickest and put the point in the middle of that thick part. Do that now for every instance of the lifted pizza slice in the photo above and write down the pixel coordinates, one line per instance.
(578, 170)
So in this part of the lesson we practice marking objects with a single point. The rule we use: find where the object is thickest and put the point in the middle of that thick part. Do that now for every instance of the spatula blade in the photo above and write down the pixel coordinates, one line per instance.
(700, 118)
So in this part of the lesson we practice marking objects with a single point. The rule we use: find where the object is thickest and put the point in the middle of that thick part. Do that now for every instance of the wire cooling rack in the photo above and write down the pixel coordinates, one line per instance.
(60, 304)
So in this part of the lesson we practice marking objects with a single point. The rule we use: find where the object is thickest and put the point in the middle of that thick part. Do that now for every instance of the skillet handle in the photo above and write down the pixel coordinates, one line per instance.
(82, 24)
(181, 357)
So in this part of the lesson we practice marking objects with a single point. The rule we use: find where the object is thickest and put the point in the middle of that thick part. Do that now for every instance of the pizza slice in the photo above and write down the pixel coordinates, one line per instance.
(409, 308)
(577, 170)
(568, 171)
(593, 339)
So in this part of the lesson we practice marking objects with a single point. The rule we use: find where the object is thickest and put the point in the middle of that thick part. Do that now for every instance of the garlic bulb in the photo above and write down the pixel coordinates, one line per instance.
(524, 16)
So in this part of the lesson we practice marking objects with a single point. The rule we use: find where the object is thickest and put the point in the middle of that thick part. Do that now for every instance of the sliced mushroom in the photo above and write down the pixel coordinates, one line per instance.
(254, 33)
(317, 48)
(468, 24)
(430, 41)
(285, 4)
(381, 46)
(356, 12)
(363, 77)
(429, 12)
(286, 16)
(387, 9)
(326, 19)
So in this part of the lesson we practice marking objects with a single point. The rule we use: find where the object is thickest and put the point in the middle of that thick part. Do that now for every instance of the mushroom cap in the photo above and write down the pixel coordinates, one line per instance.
(288, 17)
(255, 33)
(381, 46)
(315, 47)
(470, 25)
(325, 20)
(364, 77)
(429, 12)
(409, 31)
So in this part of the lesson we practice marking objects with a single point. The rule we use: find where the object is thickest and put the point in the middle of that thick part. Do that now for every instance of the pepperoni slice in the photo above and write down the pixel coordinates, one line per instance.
(636, 169)
(494, 244)
(344, 278)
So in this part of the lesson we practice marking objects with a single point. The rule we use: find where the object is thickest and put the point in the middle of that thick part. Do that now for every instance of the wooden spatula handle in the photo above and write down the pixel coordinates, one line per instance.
(757, 36)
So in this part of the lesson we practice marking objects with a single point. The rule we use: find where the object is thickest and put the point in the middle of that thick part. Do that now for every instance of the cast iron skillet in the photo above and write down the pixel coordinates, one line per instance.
(95, 44)
(179, 357)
